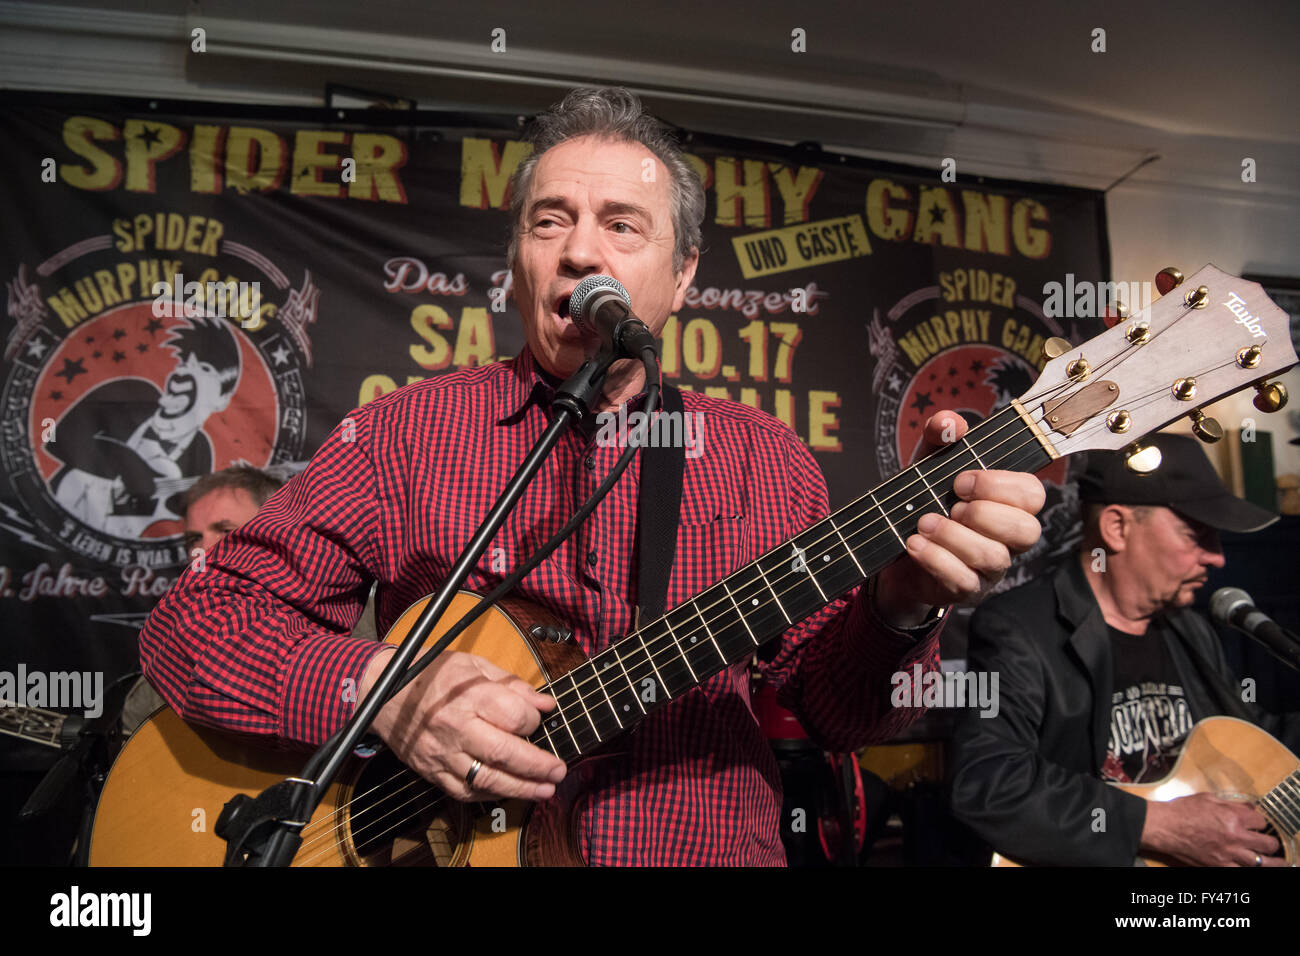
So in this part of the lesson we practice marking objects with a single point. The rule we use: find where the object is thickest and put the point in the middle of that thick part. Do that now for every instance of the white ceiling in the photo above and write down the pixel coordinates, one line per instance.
(1011, 86)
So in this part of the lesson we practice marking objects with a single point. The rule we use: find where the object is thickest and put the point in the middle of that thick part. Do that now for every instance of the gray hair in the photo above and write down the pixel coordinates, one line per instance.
(612, 113)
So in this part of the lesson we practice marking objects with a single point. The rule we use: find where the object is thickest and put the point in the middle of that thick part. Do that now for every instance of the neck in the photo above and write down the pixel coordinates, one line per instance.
(625, 380)
(1120, 606)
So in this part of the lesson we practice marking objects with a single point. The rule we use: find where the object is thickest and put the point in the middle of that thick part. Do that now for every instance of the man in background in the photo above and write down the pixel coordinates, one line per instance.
(216, 505)
(1104, 669)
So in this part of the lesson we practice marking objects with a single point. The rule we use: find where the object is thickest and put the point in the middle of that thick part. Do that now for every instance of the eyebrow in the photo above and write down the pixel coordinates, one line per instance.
(610, 207)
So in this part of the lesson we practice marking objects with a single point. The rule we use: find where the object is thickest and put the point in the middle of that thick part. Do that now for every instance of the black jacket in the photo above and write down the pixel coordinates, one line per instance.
(1026, 780)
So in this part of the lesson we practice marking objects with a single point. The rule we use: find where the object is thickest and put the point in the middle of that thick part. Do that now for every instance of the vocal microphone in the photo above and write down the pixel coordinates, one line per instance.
(1235, 608)
(600, 305)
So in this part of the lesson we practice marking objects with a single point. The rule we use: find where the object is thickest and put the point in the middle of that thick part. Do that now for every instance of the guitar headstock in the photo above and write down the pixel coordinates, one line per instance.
(1213, 335)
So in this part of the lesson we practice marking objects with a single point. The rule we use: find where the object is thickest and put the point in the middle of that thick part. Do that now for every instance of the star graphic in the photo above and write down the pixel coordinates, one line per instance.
(142, 348)
(895, 383)
(56, 395)
(150, 136)
(970, 384)
(96, 354)
(922, 401)
(118, 356)
(36, 348)
(90, 339)
(937, 213)
(933, 376)
(977, 366)
(152, 326)
(119, 334)
(71, 369)
(952, 372)
(281, 355)
(913, 423)
(955, 390)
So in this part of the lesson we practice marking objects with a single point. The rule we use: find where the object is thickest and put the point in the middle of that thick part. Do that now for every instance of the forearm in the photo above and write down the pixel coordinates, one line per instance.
(837, 673)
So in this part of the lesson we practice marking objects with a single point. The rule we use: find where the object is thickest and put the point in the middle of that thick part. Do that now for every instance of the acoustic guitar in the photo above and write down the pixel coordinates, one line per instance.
(168, 785)
(1237, 761)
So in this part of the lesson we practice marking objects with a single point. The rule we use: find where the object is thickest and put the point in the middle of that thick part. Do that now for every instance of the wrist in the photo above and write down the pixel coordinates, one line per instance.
(898, 612)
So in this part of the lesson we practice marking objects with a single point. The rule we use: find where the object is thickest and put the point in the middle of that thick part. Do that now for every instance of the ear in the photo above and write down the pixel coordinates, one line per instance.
(1113, 525)
(685, 278)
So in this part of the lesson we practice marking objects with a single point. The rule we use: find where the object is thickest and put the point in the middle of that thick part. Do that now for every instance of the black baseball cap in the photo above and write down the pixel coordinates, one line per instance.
(1184, 482)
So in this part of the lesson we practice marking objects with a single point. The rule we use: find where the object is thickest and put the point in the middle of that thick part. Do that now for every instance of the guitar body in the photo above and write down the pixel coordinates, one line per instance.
(167, 787)
(1225, 756)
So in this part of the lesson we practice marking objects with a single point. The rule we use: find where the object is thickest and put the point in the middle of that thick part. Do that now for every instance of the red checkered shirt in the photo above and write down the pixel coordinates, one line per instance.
(258, 642)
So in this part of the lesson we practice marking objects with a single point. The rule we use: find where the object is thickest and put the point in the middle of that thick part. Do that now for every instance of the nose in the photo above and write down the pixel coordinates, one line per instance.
(581, 254)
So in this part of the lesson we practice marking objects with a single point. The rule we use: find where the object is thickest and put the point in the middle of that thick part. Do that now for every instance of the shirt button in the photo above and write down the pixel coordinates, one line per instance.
(591, 558)
(590, 463)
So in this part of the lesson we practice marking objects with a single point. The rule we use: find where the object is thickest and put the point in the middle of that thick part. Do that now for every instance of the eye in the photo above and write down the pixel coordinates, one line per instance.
(622, 227)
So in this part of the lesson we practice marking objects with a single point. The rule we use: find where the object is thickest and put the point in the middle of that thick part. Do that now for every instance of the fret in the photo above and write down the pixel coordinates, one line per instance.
(921, 475)
(695, 679)
(595, 675)
(773, 593)
(696, 641)
(720, 624)
(854, 557)
(624, 701)
(971, 449)
(872, 496)
(708, 630)
(583, 704)
(555, 717)
(764, 616)
(800, 557)
(549, 742)
(838, 570)
(655, 668)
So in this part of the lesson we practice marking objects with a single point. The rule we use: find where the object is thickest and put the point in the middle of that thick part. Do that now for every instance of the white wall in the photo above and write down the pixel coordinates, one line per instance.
(1154, 227)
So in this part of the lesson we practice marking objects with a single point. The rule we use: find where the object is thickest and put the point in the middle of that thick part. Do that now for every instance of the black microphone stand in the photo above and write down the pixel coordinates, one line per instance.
(264, 831)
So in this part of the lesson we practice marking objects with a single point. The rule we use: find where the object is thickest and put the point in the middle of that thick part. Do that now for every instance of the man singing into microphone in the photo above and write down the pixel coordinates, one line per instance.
(258, 641)
(1104, 668)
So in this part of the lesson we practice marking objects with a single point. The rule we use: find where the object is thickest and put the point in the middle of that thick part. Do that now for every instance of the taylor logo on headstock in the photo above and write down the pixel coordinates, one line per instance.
(1237, 306)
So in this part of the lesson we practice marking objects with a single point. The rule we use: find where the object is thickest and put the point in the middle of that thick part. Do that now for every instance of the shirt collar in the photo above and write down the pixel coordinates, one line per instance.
(527, 384)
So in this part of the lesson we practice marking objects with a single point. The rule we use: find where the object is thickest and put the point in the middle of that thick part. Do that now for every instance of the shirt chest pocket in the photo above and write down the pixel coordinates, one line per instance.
(707, 550)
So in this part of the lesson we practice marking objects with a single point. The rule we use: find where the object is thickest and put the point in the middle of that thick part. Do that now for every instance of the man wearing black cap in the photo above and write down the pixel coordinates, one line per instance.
(1103, 670)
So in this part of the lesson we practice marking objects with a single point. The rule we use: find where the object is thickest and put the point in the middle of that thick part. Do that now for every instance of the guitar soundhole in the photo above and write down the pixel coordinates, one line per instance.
(398, 818)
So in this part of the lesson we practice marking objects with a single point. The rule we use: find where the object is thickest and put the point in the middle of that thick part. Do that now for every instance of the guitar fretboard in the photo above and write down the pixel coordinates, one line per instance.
(1282, 804)
(722, 625)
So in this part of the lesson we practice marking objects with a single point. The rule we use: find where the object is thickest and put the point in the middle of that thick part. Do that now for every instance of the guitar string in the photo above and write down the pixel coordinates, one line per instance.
(1011, 421)
(1292, 812)
(564, 697)
(850, 535)
(583, 698)
(317, 836)
(1059, 387)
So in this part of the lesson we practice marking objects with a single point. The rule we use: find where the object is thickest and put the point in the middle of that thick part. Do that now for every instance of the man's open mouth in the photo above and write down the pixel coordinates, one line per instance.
(562, 307)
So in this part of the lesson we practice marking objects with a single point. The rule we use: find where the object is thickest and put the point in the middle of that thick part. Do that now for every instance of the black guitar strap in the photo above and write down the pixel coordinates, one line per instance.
(658, 503)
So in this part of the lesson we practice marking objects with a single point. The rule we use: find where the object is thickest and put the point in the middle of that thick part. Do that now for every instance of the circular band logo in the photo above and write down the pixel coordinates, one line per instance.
(972, 358)
(123, 392)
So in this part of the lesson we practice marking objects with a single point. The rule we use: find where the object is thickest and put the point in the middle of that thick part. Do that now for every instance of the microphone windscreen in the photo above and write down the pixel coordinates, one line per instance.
(1225, 601)
(588, 291)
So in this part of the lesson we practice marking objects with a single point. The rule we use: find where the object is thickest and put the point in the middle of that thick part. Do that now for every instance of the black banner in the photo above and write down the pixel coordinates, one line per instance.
(192, 286)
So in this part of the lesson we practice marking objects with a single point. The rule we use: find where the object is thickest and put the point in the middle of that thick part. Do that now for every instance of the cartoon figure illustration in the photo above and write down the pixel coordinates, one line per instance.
(126, 448)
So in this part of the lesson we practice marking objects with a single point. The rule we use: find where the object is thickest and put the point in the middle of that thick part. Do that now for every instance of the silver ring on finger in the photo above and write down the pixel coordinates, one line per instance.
(1259, 860)
(474, 768)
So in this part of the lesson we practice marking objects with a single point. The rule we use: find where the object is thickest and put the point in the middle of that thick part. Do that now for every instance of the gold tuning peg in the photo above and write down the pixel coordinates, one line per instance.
(1206, 429)
(1055, 347)
(1167, 280)
(1272, 396)
(1142, 460)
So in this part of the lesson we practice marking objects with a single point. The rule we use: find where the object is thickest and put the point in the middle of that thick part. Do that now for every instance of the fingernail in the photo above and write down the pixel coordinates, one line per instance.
(965, 483)
(545, 791)
(916, 544)
(558, 774)
(928, 523)
(957, 510)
